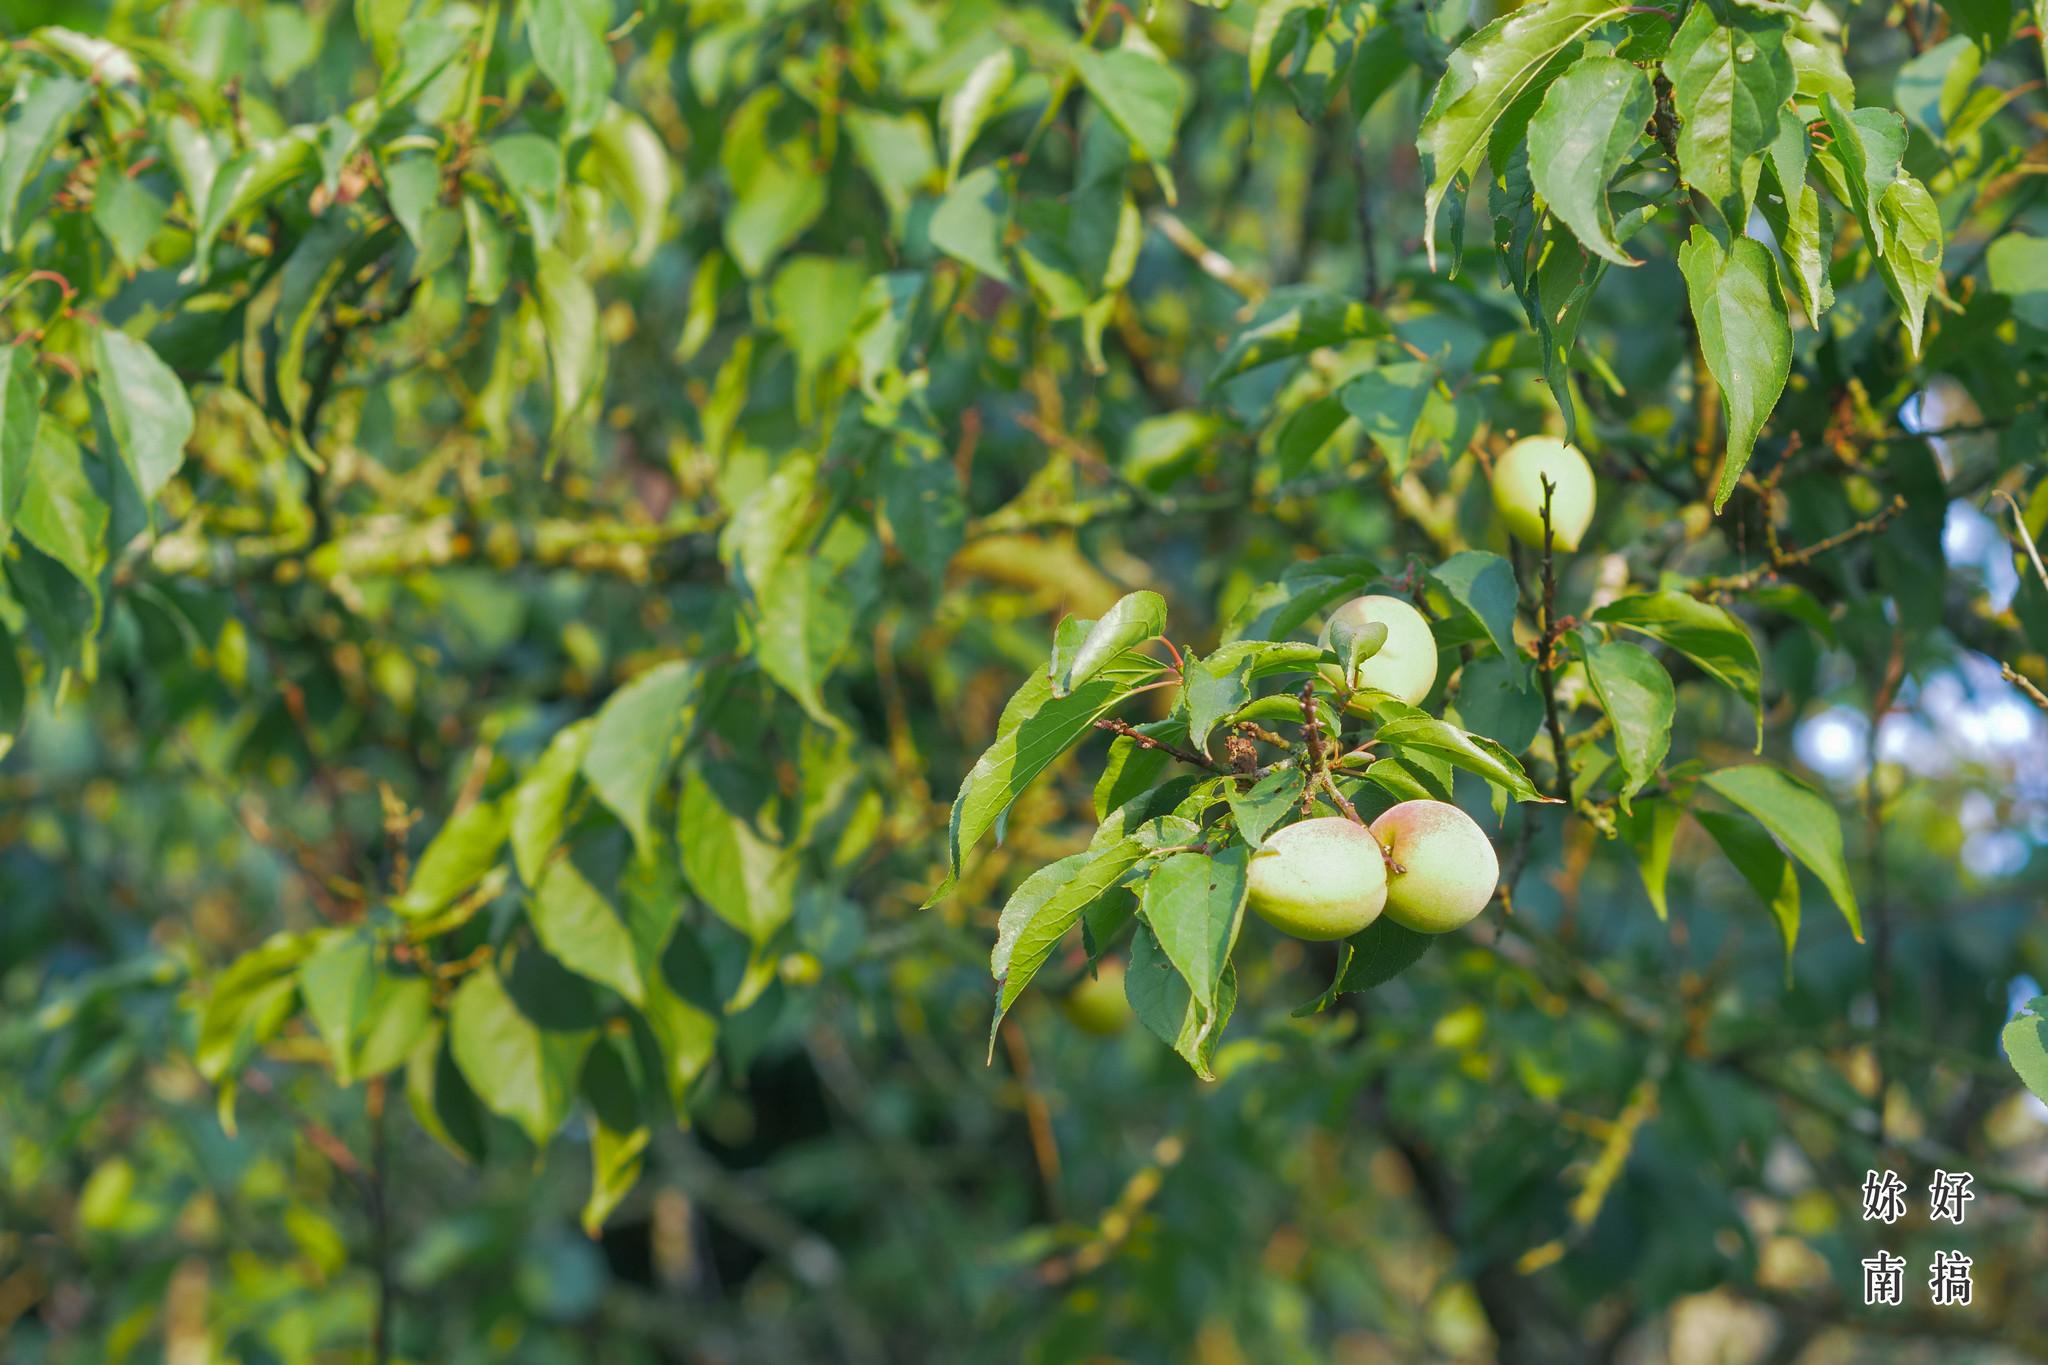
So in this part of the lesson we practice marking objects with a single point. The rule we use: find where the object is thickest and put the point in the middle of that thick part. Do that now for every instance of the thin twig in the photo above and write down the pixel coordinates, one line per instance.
(2024, 683)
(1144, 741)
(1312, 737)
(2019, 525)
(1781, 559)
(1045, 1147)
(1880, 910)
(379, 1192)
(1213, 263)
(1546, 652)
(1365, 229)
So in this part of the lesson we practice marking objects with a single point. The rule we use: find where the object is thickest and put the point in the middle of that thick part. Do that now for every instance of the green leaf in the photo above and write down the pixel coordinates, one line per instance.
(1767, 870)
(400, 1014)
(921, 497)
(1474, 753)
(315, 267)
(896, 151)
(457, 859)
(335, 983)
(21, 397)
(1165, 1005)
(1314, 321)
(2026, 1046)
(1912, 266)
(569, 48)
(44, 104)
(13, 692)
(1305, 433)
(129, 215)
(426, 45)
(777, 189)
(539, 804)
(1043, 908)
(246, 182)
(1730, 75)
(815, 301)
(248, 1003)
(1135, 618)
(968, 223)
(1862, 159)
(531, 167)
(682, 1012)
(2018, 266)
(490, 251)
(1268, 25)
(60, 512)
(147, 410)
(1371, 957)
(965, 110)
(1140, 92)
(1486, 74)
(630, 160)
(1035, 729)
(1132, 768)
(568, 310)
(1636, 692)
(1797, 219)
(441, 1100)
(1744, 335)
(517, 1068)
(809, 603)
(1710, 636)
(1989, 22)
(1591, 119)
(630, 742)
(1497, 697)
(1799, 818)
(747, 877)
(1930, 88)
(1354, 642)
(1263, 806)
(1220, 684)
(1483, 584)
(1194, 905)
(582, 931)
(1388, 400)
(1650, 829)
(615, 1159)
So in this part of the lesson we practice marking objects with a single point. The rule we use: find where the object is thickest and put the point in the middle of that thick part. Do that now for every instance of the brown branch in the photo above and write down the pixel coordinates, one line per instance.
(379, 1193)
(1045, 1148)
(1781, 559)
(1145, 741)
(2024, 683)
(1365, 228)
(1546, 652)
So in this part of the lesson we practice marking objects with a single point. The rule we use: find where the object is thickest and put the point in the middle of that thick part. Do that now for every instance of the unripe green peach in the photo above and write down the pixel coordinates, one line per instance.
(1405, 665)
(1320, 879)
(1447, 869)
(1096, 1004)
(1518, 491)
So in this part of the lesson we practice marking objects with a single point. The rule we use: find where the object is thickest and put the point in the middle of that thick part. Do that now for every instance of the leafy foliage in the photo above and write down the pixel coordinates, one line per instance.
(513, 517)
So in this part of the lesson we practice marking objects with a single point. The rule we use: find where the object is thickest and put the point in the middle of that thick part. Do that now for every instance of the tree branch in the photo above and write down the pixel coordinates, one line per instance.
(1546, 652)
(1144, 741)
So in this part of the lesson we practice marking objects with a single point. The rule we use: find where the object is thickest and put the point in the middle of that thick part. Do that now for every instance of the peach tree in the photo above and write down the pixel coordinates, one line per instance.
(514, 517)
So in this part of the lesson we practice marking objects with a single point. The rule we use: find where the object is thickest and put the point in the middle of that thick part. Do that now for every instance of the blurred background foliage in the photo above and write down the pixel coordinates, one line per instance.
(517, 517)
